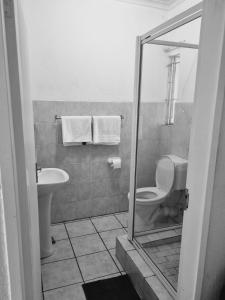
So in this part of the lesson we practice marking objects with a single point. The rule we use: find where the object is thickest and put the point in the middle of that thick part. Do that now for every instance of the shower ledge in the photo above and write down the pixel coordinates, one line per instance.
(144, 280)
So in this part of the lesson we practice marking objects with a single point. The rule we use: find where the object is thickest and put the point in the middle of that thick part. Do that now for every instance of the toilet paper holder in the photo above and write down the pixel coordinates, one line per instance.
(114, 162)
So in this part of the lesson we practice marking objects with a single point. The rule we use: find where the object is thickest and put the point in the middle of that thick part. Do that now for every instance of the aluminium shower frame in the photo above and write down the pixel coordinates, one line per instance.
(150, 38)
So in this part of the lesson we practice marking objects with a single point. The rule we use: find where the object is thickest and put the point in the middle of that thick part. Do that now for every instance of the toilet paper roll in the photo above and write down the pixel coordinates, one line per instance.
(115, 162)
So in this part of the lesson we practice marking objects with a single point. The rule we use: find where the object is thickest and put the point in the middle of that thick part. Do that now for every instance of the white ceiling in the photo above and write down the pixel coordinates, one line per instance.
(163, 4)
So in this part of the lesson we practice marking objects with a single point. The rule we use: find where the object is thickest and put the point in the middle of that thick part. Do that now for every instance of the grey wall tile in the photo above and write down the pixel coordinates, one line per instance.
(94, 187)
(46, 133)
(46, 155)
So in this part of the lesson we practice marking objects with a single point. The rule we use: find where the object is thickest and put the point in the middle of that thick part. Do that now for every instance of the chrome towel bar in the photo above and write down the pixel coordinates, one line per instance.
(59, 117)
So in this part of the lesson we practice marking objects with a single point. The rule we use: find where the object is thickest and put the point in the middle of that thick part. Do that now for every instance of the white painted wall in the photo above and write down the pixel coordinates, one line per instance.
(187, 74)
(180, 7)
(84, 50)
(155, 73)
(188, 33)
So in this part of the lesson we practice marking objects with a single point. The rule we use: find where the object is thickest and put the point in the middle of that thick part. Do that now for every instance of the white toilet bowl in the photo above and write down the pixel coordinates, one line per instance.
(170, 175)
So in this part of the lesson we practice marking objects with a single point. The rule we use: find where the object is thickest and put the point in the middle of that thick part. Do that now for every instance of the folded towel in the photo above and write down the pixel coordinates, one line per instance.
(106, 130)
(76, 130)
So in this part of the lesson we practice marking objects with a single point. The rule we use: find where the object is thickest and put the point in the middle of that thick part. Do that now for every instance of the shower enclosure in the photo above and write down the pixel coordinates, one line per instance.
(166, 64)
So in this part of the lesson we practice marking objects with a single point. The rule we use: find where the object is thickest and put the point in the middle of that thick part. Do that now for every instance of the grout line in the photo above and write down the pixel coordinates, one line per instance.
(111, 229)
(87, 218)
(101, 277)
(66, 230)
(58, 223)
(63, 286)
(72, 237)
(106, 247)
(96, 230)
(61, 239)
(50, 262)
(119, 221)
(78, 236)
(87, 281)
(92, 253)
(115, 261)
(108, 229)
(75, 256)
(74, 221)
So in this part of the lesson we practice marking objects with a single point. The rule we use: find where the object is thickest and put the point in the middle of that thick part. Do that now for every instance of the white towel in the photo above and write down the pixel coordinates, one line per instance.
(76, 130)
(106, 130)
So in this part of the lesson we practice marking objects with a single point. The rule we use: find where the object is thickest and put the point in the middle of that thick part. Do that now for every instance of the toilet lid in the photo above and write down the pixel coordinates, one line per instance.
(165, 172)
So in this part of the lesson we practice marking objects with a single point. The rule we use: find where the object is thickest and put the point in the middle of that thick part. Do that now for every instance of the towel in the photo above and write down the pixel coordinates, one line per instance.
(106, 130)
(76, 130)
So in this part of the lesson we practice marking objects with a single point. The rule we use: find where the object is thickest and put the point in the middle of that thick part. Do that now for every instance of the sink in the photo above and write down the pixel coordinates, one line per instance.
(49, 181)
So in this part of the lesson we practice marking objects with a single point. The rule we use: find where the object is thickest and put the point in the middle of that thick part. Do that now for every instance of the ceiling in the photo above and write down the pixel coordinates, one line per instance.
(162, 4)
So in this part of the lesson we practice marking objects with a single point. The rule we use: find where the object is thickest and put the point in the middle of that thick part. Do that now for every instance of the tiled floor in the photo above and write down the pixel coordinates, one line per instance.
(84, 251)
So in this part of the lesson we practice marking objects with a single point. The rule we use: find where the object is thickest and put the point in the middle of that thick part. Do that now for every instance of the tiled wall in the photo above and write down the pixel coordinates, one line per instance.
(95, 188)
(159, 139)
(175, 139)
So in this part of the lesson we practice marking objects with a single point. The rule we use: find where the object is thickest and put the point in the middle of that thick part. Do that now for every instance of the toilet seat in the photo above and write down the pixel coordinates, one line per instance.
(150, 195)
(164, 176)
(165, 179)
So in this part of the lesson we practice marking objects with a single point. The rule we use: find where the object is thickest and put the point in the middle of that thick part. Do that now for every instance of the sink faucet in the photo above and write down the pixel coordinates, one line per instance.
(37, 168)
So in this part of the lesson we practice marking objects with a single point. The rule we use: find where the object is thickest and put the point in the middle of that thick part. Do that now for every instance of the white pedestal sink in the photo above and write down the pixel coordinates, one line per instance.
(49, 181)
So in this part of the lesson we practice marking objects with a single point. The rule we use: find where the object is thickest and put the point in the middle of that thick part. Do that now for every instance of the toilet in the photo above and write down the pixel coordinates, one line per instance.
(171, 173)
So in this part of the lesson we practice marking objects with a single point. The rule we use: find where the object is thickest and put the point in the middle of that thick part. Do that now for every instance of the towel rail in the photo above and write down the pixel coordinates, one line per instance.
(59, 117)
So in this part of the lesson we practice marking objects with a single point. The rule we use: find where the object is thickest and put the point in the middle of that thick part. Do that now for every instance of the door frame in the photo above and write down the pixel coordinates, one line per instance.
(204, 142)
(17, 160)
(9, 197)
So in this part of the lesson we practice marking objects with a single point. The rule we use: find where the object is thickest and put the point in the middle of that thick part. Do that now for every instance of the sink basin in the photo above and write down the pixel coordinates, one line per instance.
(49, 181)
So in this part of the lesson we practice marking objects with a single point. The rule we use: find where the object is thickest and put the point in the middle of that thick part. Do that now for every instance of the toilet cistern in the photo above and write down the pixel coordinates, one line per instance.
(49, 181)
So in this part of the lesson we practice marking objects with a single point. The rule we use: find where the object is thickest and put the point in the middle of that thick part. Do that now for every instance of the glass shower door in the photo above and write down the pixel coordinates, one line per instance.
(166, 96)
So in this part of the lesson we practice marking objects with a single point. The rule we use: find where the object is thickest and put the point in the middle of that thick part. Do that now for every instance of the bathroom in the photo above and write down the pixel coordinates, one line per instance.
(86, 83)
(98, 192)
(116, 209)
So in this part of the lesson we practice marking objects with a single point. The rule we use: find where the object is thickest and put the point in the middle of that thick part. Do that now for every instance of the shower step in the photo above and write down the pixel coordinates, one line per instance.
(142, 276)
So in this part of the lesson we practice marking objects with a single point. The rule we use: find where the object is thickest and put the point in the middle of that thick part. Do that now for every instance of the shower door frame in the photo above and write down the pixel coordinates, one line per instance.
(150, 38)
